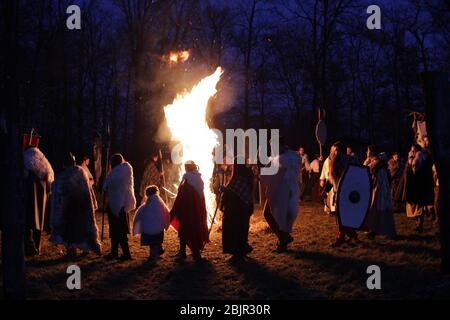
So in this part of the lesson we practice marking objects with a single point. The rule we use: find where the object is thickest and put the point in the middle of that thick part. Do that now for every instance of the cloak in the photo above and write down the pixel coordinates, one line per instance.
(38, 177)
(73, 212)
(151, 176)
(283, 190)
(152, 217)
(119, 185)
(188, 214)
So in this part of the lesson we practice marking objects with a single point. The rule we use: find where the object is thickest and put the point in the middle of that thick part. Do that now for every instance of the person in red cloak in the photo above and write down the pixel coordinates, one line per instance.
(188, 214)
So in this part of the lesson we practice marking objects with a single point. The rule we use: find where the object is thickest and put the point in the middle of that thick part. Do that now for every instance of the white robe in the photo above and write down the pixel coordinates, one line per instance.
(325, 175)
(119, 185)
(152, 217)
(283, 189)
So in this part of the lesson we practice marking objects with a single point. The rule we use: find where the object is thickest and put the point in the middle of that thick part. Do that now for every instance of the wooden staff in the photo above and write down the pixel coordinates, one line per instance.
(163, 177)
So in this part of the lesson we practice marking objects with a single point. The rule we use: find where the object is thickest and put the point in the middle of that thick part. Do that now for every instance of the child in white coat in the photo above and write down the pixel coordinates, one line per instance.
(152, 218)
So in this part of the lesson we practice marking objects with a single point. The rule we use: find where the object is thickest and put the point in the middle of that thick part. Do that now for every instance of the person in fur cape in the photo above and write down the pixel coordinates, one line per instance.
(151, 219)
(281, 207)
(188, 214)
(380, 220)
(38, 178)
(73, 211)
(119, 187)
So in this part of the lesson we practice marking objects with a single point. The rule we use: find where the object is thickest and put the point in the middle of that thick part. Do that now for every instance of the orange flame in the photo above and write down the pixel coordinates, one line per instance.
(175, 57)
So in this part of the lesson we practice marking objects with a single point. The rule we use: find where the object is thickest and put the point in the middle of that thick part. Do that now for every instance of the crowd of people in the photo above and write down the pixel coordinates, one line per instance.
(64, 206)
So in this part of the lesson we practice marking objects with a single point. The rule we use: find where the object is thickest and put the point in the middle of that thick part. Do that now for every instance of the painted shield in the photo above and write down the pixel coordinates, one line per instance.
(353, 197)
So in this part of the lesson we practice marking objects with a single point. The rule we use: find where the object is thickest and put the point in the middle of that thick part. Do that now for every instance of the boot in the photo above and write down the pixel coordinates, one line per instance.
(114, 250)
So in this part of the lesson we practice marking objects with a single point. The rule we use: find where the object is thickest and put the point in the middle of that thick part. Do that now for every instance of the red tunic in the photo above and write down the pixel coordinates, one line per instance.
(189, 217)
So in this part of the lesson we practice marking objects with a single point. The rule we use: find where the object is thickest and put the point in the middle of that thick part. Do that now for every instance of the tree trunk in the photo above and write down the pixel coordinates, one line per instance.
(437, 101)
(13, 214)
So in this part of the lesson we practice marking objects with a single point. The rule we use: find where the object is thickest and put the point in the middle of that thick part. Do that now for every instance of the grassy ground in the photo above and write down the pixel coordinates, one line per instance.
(310, 270)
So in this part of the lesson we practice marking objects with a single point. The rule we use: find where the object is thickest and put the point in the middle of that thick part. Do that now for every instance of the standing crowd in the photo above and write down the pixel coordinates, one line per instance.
(64, 206)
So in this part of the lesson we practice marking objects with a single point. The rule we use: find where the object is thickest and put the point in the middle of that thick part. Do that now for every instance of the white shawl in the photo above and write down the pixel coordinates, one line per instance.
(194, 178)
(152, 217)
(283, 189)
(119, 185)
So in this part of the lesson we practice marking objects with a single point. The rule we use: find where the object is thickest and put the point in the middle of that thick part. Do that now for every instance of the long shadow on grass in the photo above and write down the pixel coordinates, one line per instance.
(264, 283)
(189, 280)
(398, 281)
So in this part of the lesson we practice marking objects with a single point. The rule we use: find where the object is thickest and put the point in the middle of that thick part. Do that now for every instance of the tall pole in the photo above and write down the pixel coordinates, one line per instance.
(163, 177)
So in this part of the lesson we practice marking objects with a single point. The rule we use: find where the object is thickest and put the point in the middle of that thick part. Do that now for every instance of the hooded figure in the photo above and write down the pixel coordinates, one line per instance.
(380, 220)
(188, 215)
(150, 221)
(38, 178)
(73, 211)
(119, 186)
(282, 194)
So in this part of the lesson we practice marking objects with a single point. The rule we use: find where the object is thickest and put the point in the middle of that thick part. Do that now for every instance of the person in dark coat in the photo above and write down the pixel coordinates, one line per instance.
(418, 191)
(237, 208)
(38, 178)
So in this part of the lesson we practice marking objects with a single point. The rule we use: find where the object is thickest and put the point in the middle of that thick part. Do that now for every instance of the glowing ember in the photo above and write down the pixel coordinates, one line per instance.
(177, 56)
(186, 121)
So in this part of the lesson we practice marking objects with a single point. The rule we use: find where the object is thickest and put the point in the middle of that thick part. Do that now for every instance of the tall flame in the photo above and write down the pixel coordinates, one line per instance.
(186, 120)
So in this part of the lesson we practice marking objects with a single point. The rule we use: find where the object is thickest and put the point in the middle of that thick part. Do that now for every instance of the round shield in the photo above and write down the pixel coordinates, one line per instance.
(321, 132)
(353, 197)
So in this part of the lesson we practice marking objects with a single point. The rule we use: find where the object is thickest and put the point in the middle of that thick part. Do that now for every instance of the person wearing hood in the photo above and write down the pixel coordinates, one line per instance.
(73, 211)
(188, 214)
(151, 219)
(119, 187)
(380, 220)
(38, 178)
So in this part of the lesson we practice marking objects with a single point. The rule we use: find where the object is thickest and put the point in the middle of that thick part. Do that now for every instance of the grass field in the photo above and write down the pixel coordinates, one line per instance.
(310, 270)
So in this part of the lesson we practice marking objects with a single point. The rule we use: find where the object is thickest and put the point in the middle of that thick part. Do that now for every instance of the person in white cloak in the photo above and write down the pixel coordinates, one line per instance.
(119, 187)
(85, 165)
(282, 193)
(38, 178)
(151, 219)
(325, 184)
(73, 211)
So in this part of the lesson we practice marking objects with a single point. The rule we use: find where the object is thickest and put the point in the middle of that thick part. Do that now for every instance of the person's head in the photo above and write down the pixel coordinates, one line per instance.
(116, 159)
(86, 160)
(338, 147)
(239, 165)
(426, 142)
(190, 166)
(349, 150)
(372, 150)
(301, 150)
(69, 161)
(151, 190)
(395, 156)
(416, 148)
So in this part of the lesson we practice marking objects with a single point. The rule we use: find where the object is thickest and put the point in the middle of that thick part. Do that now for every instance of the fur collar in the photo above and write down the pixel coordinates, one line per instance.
(194, 178)
(36, 162)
